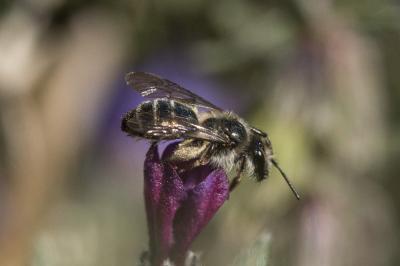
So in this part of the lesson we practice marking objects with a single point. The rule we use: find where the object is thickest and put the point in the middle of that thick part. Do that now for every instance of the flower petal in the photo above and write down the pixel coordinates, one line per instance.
(164, 192)
(153, 176)
(196, 211)
(193, 177)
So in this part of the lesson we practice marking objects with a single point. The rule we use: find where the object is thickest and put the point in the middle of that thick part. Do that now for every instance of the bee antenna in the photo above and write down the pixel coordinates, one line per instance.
(275, 163)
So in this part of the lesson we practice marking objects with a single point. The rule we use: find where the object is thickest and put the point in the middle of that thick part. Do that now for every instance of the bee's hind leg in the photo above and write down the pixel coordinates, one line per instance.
(206, 155)
(236, 180)
(189, 150)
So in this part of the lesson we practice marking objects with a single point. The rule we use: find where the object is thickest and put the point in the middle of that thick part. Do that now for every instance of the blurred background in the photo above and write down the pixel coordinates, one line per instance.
(320, 76)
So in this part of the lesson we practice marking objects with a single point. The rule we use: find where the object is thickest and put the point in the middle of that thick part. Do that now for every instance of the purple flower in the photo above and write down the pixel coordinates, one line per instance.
(179, 203)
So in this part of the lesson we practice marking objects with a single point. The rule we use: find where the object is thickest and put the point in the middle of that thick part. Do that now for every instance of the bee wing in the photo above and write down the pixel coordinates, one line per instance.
(208, 134)
(169, 129)
(152, 86)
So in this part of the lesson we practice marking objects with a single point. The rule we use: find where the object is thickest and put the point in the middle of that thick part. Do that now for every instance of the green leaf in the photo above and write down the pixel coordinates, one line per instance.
(257, 254)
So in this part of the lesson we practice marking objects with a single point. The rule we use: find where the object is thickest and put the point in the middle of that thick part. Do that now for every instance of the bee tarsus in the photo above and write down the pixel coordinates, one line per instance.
(236, 180)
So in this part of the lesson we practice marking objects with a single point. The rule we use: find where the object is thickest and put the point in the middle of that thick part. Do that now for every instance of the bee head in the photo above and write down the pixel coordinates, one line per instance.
(257, 151)
(260, 151)
(261, 142)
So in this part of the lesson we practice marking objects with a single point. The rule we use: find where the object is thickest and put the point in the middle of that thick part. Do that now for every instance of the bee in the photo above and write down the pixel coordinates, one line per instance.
(209, 134)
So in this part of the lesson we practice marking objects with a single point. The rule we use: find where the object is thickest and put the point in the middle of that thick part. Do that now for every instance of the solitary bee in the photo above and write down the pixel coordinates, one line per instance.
(210, 135)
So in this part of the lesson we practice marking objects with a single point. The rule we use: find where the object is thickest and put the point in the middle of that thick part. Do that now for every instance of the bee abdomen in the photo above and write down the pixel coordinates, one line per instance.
(163, 109)
(133, 121)
(128, 116)
(155, 114)
(183, 111)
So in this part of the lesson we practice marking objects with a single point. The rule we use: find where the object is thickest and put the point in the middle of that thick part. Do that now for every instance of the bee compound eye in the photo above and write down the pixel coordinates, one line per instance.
(260, 165)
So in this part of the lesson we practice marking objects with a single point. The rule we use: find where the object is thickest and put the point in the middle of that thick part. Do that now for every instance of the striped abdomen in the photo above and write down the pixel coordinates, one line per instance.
(156, 119)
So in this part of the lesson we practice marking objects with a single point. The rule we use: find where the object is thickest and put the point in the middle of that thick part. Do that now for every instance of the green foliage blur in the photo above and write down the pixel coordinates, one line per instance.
(321, 77)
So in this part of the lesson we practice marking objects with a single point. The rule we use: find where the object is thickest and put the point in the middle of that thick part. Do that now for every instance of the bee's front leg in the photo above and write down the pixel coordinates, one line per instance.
(236, 180)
